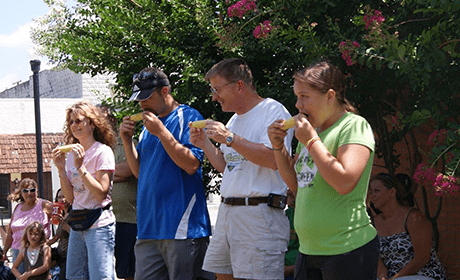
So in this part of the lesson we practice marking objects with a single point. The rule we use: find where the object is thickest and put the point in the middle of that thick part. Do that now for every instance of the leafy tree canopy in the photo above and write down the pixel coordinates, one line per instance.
(402, 56)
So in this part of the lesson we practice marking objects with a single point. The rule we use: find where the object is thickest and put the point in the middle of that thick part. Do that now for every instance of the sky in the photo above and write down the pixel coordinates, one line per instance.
(16, 48)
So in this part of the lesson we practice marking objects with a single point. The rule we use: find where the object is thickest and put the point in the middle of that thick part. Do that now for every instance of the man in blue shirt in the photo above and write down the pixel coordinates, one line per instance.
(172, 217)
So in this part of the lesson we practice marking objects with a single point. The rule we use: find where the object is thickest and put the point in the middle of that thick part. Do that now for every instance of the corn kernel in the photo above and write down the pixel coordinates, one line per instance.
(66, 148)
(289, 123)
(136, 117)
(199, 124)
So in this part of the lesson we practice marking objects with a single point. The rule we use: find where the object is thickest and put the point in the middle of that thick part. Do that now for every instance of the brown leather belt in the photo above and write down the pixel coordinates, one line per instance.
(234, 201)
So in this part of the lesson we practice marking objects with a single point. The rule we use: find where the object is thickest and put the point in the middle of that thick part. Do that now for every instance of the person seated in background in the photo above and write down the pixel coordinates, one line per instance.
(406, 181)
(55, 269)
(405, 234)
(5, 271)
(293, 246)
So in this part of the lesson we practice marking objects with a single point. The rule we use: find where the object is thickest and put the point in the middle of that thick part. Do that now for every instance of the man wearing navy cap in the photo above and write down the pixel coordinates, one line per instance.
(172, 218)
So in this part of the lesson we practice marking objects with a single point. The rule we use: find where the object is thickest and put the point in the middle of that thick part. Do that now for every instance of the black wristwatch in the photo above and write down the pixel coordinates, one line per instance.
(229, 139)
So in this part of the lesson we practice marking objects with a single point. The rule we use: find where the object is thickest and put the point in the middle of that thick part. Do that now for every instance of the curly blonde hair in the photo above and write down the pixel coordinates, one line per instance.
(103, 130)
(24, 184)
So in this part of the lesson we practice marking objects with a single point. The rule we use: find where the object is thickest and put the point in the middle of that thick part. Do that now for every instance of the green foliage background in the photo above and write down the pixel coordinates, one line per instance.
(408, 70)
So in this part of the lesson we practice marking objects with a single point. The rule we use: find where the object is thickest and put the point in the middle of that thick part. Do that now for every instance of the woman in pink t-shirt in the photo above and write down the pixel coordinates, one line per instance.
(86, 182)
(30, 209)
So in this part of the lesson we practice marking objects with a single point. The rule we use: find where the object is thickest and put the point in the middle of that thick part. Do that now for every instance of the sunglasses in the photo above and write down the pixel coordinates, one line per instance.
(29, 190)
(144, 75)
(77, 121)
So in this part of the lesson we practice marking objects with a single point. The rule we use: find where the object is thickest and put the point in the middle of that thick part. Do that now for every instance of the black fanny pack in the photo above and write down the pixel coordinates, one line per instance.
(80, 220)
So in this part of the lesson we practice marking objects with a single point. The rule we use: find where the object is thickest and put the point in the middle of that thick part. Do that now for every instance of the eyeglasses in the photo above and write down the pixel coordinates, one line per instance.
(214, 90)
(29, 190)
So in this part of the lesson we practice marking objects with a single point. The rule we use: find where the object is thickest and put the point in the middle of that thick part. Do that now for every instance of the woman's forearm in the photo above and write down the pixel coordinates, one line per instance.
(382, 271)
(9, 240)
(285, 164)
(411, 268)
(66, 187)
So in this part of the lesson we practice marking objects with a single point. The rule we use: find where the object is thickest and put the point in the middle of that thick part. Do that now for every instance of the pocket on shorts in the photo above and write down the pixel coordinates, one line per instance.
(271, 256)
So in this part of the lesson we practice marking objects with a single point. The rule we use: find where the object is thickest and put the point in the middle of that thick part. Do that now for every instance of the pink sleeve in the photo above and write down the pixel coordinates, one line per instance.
(106, 159)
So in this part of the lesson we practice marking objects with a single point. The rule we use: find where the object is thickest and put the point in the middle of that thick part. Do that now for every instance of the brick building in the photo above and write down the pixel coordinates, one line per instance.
(449, 218)
(18, 157)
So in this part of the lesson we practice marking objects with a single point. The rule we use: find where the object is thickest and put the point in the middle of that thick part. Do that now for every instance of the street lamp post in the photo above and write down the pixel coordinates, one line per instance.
(35, 66)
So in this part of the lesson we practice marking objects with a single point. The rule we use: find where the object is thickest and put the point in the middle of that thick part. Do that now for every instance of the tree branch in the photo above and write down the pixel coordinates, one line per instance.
(448, 42)
(134, 2)
(409, 21)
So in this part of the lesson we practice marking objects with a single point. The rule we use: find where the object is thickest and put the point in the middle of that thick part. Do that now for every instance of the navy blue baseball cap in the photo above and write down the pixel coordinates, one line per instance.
(145, 82)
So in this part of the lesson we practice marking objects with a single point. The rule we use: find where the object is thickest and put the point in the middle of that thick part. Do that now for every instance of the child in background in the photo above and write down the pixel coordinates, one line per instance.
(55, 269)
(5, 271)
(62, 235)
(35, 253)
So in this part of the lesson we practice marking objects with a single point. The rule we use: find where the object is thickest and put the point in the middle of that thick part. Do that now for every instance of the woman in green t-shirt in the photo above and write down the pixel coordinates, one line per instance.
(330, 174)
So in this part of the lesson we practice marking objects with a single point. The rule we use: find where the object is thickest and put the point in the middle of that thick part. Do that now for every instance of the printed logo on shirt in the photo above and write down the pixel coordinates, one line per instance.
(233, 160)
(306, 169)
(76, 181)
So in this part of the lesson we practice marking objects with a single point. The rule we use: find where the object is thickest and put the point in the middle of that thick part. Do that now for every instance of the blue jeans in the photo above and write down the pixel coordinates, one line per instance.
(15, 253)
(90, 253)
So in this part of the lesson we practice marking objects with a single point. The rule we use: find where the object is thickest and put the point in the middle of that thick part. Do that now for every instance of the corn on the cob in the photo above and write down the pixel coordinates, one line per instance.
(288, 123)
(136, 117)
(199, 124)
(66, 148)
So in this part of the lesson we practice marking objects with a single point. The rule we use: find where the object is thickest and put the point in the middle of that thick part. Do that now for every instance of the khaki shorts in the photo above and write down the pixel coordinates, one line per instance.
(249, 242)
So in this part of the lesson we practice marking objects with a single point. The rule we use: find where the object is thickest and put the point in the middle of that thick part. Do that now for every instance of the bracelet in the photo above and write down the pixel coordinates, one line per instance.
(84, 172)
(278, 149)
(311, 141)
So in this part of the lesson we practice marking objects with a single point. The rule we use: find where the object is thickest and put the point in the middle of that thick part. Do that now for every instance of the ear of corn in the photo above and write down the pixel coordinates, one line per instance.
(136, 117)
(289, 123)
(66, 148)
(199, 124)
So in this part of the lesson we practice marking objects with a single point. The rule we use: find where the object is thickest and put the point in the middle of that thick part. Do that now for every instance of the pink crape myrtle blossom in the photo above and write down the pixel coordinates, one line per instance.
(446, 185)
(262, 30)
(437, 137)
(348, 50)
(378, 35)
(373, 19)
(424, 175)
(395, 121)
(449, 157)
(241, 7)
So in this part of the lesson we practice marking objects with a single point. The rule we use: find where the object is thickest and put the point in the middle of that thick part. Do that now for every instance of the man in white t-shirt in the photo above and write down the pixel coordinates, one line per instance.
(252, 232)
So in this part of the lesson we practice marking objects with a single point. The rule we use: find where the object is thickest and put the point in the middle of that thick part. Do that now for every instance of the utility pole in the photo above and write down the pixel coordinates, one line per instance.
(35, 66)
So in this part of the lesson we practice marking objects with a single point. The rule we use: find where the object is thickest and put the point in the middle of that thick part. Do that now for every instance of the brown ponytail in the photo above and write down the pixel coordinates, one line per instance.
(324, 76)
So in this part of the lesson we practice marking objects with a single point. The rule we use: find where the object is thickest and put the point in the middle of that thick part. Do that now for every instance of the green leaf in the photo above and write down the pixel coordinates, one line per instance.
(401, 51)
